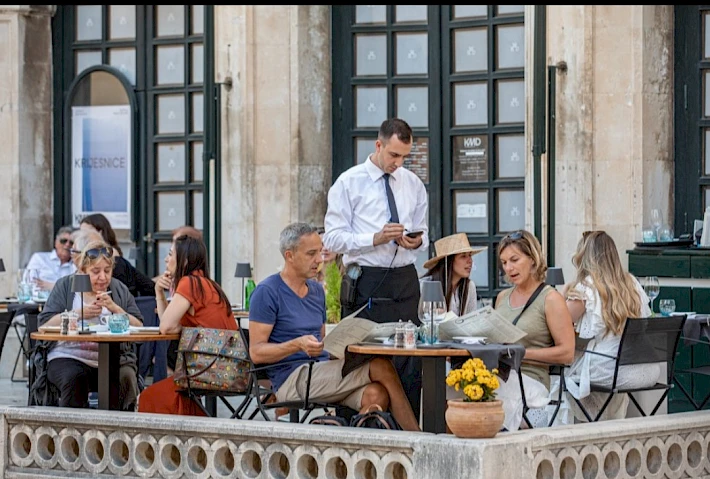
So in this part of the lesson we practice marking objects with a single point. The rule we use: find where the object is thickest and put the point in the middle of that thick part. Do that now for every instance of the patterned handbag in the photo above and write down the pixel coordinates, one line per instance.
(211, 359)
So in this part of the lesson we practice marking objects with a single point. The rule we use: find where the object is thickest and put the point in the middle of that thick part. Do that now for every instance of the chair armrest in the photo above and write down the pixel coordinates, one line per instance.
(599, 354)
(293, 361)
(537, 362)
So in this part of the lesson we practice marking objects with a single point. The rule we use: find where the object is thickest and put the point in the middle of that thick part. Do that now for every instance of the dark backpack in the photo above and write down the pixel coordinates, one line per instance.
(375, 418)
(329, 419)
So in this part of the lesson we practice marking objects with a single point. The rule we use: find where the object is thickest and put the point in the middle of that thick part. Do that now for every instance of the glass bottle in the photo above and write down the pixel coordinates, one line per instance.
(248, 290)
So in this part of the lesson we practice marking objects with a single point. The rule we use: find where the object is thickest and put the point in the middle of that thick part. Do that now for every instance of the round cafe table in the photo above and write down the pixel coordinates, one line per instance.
(433, 378)
(109, 358)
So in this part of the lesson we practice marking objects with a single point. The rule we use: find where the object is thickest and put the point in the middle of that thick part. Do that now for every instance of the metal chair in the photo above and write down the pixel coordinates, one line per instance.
(19, 312)
(261, 391)
(643, 341)
(699, 370)
(554, 370)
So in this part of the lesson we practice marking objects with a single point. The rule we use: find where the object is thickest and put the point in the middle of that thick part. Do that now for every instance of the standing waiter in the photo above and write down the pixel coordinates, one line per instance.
(377, 218)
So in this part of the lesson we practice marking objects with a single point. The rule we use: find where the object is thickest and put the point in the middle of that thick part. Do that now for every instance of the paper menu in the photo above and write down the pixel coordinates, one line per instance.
(485, 322)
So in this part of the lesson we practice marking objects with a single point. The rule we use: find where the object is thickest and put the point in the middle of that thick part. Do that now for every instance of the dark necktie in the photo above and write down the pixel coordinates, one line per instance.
(394, 216)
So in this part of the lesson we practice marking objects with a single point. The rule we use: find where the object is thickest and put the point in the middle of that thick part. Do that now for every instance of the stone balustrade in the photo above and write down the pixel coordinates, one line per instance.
(54, 442)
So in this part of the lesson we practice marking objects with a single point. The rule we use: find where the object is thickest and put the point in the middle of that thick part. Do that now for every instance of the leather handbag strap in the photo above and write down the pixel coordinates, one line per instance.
(530, 301)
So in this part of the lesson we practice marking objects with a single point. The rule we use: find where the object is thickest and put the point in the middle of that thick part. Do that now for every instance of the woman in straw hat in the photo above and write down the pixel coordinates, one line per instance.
(452, 266)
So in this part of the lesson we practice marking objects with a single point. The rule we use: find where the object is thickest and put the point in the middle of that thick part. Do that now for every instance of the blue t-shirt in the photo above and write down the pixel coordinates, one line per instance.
(273, 302)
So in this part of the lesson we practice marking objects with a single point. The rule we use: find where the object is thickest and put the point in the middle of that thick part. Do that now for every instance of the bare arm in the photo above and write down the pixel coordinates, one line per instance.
(559, 322)
(171, 314)
(576, 309)
(264, 352)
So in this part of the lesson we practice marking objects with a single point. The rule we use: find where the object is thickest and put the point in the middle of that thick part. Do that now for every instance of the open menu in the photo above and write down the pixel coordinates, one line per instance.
(486, 322)
(352, 330)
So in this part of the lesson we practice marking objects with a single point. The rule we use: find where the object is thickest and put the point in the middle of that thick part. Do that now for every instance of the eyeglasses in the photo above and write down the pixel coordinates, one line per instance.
(94, 253)
(65, 241)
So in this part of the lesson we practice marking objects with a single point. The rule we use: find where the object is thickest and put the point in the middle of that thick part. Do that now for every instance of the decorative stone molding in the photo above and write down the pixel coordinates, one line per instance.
(53, 442)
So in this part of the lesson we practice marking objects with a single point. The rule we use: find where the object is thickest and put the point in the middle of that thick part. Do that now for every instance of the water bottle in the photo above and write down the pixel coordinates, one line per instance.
(399, 332)
(248, 290)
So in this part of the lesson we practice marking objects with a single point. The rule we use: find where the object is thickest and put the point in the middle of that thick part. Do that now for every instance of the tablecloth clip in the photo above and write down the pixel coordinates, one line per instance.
(707, 320)
(509, 355)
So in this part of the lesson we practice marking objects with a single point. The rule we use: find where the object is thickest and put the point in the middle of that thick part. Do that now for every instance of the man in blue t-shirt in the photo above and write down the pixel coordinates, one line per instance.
(287, 325)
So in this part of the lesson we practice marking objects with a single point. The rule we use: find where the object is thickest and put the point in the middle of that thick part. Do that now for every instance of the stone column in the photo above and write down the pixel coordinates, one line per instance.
(274, 67)
(614, 120)
(25, 134)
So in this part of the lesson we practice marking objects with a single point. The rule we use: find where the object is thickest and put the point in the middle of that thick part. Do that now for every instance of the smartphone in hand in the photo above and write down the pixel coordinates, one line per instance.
(414, 234)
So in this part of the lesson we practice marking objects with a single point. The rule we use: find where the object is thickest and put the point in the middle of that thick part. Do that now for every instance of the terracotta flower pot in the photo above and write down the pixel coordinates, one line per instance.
(474, 419)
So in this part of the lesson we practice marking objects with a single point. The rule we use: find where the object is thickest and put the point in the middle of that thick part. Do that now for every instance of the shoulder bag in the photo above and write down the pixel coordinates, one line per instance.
(211, 359)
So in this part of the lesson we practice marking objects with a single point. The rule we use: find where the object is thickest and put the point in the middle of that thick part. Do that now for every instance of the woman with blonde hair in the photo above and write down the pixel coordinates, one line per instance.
(600, 300)
(540, 311)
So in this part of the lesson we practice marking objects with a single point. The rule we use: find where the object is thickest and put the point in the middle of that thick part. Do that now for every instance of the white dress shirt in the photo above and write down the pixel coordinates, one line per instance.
(358, 209)
(50, 267)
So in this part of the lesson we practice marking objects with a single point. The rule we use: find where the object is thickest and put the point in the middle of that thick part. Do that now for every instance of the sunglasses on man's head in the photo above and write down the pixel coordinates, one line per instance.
(94, 253)
(65, 241)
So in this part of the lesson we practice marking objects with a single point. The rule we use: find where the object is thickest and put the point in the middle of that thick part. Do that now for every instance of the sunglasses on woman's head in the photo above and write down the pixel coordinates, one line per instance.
(94, 253)
(514, 236)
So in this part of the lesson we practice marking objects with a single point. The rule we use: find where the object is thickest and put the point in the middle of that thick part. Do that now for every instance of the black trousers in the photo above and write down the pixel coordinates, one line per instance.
(392, 294)
(75, 380)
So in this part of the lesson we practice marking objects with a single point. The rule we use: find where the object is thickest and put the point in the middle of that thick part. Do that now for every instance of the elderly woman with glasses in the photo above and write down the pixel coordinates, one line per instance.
(72, 367)
(540, 311)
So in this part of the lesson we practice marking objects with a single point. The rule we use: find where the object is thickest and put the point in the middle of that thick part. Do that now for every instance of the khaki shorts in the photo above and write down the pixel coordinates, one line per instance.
(327, 384)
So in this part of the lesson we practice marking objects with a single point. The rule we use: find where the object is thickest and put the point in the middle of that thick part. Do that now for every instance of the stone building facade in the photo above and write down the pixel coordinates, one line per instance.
(273, 68)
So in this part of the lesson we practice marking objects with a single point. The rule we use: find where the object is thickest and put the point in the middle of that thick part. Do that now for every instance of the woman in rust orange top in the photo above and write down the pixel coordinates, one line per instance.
(197, 301)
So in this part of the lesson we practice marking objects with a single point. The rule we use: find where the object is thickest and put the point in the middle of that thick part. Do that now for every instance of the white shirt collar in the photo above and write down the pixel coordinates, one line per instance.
(375, 172)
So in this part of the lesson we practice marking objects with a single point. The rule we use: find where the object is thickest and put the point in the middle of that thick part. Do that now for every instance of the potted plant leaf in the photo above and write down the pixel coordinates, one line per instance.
(332, 282)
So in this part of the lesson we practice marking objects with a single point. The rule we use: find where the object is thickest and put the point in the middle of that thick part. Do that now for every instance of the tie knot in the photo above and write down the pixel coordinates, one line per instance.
(387, 176)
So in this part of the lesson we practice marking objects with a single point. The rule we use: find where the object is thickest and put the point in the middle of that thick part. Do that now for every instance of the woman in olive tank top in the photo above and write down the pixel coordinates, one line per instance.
(547, 321)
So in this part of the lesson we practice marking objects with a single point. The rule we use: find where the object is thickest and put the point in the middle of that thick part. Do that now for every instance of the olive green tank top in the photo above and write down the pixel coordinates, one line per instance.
(532, 322)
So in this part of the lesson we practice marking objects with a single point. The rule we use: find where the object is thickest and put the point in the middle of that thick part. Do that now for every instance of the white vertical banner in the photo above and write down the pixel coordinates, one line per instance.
(101, 163)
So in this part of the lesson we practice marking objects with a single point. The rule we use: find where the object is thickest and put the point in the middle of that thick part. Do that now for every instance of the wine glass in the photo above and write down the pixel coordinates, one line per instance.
(652, 288)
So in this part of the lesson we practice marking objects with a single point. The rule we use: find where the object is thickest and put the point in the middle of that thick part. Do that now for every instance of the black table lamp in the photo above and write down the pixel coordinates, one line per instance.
(243, 271)
(2, 266)
(432, 296)
(555, 277)
(81, 283)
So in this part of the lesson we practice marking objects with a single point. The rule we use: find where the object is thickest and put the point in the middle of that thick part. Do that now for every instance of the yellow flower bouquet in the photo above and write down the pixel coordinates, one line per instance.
(475, 380)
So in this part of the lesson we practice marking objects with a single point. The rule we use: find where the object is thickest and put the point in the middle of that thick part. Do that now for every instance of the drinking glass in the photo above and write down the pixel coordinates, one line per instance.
(652, 288)
(666, 306)
(656, 221)
(24, 292)
(427, 310)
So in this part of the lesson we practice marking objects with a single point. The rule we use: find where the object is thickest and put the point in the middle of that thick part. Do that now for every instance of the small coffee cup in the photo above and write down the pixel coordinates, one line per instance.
(118, 323)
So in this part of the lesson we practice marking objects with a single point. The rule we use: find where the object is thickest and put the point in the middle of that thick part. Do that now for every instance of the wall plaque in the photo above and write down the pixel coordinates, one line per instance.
(418, 160)
(470, 158)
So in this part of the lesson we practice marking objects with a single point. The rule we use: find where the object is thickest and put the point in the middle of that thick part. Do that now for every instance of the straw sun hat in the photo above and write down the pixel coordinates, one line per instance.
(453, 244)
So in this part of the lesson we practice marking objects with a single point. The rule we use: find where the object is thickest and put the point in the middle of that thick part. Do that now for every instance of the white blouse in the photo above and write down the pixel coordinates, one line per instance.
(592, 368)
